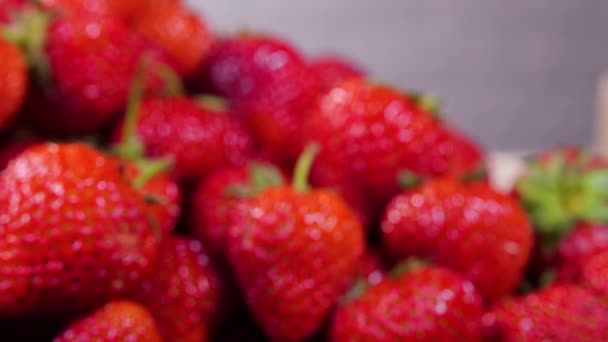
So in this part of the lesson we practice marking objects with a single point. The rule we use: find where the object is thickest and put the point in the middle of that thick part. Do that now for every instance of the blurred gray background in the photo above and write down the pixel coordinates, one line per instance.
(515, 74)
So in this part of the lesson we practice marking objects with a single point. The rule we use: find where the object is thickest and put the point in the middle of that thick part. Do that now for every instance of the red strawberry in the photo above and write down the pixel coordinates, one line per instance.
(9, 8)
(425, 304)
(332, 70)
(218, 197)
(199, 138)
(268, 81)
(13, 81)
(11, 150)
(577, 247)
(471, 229)
(184, 292)
(115, 321)
(371, 267)
(86, 65)
(123, 9)
(74, 232)
(595, 273)
(294, 251)
(183, 34)
(557, 314)
(369, 135)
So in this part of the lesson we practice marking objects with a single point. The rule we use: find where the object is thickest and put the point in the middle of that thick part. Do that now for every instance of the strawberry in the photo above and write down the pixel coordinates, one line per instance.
(594, 273)
(371, 268)
(13, 81)
(123, 9)
(557, 314)
(269, 83)
(469, 228)
(294, 251)
(565, 195)
(9, 8)
(369, 135)
(183, 34)
(218, 197)
(184, 292)
(332, 70)
(115, 321)
(425, 304)
(85, 65)
(74, 232)
(11, 150)
(199, 137)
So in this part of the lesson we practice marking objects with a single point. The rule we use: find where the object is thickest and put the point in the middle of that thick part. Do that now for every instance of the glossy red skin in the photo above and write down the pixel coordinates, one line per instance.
(268, 82)
(577, 247)
(200, 140)
(594, 273)
(427, 304)
(213, 206)
(556, 313)
(92, 72)
(372, 267)
(8, 8)
(75, 232)
(471, 229)
(13, 81)
(11, 150)
(123, 9)
(184, 294)
(163, 197)
(369, 134)
(294, 254)
(114, 322)
(182, 34)
(332, 70)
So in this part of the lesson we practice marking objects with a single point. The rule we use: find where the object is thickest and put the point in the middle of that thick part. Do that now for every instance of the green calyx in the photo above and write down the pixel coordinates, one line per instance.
(303, 166)
(558, 193)
(356, 291)
(261, 177)
(213, 103)
(408, 180)
(28, 31)
(407, 266)
(427, 103)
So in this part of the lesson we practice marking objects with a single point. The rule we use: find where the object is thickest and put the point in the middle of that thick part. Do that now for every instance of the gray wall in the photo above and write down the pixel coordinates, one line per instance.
(515, 74)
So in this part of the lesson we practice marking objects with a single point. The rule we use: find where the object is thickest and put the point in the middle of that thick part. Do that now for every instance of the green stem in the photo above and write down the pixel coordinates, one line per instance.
(303, 166)
(214, 103)
(148, 169)
(35, 41)
(408, 180)
(173, 83)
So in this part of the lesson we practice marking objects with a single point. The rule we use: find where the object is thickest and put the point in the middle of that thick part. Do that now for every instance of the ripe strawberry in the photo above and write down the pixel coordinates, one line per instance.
(564, 194)
(369, 135)
(123, 9)
(199, 138)
(115, 321)
(268, 82)
(217, 198)
(371, 268)
(86, 65)
(557, 314)
(332, 70)
(74, 232)
(13, 81)
(469, 228)
(9, 8)
(184, 292)
(595, 273)
(425, 304)
(10, 151)
(183, 34)
(577, 247)
(294, 252)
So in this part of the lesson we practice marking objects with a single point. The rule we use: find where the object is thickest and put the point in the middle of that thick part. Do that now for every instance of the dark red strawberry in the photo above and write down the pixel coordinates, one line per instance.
(372, 267)
(13, 81)
(294, 251)
(469, 228)
(332, 70)
(74, 232)
(11, 150)
(594, 273)
(199, 138)
(115, 321)
(425, 304)
(557, 314)
(369, 135)
(577, 247)
(85, 65)
(268, 82)
(218, 197)
(184, 294)
(182, 33)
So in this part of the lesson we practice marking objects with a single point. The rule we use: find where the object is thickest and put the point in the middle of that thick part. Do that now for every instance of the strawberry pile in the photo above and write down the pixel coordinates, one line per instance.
(160, 182)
